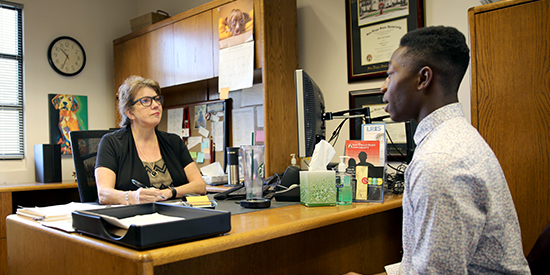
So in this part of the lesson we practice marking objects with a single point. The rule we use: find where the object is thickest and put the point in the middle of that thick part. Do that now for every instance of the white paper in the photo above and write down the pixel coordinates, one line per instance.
(260, 116)
(193, 141)
(236, 67)
(253, 95)
(213, 169)
(214, 117)
(175, 121)
(243, 126)
(378, 42)
(140, 220)
(218, 136)
(203, 132)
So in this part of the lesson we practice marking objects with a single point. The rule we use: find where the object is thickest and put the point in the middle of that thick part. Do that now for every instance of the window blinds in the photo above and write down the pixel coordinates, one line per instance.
(11, 81)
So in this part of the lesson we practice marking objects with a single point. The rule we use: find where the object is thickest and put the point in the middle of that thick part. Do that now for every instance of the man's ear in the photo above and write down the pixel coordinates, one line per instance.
(425, 77)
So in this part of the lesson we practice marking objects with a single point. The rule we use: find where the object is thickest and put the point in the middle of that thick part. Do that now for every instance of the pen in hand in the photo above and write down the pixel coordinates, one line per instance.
(141, 185)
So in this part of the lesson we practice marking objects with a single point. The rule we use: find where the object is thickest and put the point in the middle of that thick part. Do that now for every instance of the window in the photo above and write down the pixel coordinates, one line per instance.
(11, 81)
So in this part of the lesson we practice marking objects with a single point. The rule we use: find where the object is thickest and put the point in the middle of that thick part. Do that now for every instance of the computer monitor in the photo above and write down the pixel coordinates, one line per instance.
(310, 106)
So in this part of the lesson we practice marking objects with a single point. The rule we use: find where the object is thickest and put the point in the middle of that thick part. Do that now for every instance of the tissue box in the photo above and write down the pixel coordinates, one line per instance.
(317, 188)
(215, 180)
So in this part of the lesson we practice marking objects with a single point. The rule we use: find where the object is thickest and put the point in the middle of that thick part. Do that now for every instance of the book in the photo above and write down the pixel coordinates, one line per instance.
(362, 152)
(368, 158)
(376, 132)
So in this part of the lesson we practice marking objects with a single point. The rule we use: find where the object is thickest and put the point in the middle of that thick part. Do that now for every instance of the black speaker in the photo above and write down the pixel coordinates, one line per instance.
(47, 162)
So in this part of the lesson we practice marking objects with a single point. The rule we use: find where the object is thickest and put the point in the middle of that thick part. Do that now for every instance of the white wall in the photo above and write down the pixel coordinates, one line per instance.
(322, 49)
(94, 24)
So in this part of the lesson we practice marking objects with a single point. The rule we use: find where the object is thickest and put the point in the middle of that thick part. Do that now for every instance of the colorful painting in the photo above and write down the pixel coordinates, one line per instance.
(67, 113)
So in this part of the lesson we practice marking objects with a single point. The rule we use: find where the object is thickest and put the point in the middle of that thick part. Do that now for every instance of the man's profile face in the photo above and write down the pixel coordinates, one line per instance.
(400, 88)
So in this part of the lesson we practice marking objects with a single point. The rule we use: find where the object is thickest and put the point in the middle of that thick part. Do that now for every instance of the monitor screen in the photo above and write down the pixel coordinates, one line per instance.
(310, 106)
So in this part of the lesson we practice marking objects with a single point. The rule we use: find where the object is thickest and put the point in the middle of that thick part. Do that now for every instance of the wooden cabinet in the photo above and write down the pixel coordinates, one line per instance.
(193, 48)
(181, 52)
(510, 49)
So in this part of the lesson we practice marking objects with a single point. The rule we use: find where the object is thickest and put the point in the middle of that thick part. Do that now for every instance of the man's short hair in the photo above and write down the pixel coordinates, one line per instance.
(441, 48)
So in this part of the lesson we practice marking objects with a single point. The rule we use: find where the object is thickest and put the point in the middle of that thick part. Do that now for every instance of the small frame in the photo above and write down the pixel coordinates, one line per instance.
(399, 135)
(374, 28)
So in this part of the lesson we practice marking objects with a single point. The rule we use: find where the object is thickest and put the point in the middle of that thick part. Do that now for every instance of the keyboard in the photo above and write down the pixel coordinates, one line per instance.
(237, 193)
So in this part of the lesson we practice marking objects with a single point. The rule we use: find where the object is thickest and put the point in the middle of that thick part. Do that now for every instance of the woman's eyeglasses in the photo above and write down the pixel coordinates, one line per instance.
(146, 101)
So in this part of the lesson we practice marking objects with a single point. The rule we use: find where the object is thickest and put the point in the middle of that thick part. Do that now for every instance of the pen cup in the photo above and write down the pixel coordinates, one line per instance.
(253, 168)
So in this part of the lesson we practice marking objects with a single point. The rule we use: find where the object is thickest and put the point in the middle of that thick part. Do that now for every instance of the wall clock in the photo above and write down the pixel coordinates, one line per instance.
(66, 56)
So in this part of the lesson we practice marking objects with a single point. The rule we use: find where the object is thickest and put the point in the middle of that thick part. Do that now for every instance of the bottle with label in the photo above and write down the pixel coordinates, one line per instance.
(293, 161)
(343, 184)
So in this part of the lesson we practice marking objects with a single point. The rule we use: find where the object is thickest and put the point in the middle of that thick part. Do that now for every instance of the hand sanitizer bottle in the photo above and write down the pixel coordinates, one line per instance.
(343, 184)
(293, 160)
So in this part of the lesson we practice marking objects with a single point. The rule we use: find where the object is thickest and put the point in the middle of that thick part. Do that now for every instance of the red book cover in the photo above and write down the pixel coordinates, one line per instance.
(363, 152)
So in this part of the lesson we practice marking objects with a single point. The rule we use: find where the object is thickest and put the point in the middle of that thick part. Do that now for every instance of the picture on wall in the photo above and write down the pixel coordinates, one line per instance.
(66, 113)
(236, 23)
(374, 29)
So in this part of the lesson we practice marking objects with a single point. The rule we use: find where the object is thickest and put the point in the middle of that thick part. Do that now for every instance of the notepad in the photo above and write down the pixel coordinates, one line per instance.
(198, 200)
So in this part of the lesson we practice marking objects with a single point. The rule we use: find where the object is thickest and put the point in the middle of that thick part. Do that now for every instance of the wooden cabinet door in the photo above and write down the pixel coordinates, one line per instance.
(150, 55)
(510, 97)
(193, 48)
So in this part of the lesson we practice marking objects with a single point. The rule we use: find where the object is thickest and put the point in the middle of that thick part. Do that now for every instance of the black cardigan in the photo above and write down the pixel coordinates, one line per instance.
(117, 151)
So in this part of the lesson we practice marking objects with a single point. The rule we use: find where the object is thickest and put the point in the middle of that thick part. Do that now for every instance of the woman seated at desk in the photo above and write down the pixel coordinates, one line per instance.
(140, 152)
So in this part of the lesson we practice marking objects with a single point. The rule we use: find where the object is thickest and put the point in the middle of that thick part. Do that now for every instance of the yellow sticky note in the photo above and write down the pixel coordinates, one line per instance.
(193, 154)
(224, 93)
(198, 200)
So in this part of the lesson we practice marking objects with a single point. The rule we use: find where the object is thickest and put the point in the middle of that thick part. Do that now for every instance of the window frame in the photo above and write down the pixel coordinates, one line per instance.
(15, 149)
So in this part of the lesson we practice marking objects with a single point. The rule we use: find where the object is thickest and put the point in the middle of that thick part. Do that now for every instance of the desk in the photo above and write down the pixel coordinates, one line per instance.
(289, 240)
(30, 194)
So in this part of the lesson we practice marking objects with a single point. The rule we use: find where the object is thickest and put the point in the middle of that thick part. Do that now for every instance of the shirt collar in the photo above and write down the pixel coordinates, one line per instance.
(436, 118)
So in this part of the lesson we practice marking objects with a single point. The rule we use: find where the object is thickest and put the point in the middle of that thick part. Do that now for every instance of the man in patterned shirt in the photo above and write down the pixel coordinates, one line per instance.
(458, 214)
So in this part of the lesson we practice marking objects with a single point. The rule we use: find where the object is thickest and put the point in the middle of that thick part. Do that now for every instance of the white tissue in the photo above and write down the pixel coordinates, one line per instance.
(322, 155)
(214, 169)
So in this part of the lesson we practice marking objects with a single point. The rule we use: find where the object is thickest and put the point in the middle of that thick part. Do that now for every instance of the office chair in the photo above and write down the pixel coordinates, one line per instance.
(539, 256)
(84, 145)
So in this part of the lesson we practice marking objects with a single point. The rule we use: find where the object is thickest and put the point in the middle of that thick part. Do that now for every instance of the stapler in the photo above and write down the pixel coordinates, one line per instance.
(289, 188)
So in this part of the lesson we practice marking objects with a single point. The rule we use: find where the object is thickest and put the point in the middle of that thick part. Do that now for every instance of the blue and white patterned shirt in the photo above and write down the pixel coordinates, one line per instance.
(458, 214)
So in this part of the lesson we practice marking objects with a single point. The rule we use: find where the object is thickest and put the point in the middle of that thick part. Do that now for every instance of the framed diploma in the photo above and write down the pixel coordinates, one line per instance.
(374, 28)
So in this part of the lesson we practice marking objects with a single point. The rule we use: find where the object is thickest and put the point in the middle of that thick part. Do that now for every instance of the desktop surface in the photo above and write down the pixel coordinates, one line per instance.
(292, 234)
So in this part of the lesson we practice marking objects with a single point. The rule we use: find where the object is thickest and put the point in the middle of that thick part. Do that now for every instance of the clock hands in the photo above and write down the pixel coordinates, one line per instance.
(66, 55)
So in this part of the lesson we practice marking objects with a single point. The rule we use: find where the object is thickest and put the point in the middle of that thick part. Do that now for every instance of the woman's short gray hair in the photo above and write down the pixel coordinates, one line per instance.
(127, 93)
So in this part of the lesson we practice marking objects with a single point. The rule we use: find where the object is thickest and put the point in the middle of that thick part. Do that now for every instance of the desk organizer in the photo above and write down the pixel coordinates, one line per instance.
(198, 223)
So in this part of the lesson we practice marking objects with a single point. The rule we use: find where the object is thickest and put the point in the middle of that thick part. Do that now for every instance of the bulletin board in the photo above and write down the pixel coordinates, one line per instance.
(207, 121)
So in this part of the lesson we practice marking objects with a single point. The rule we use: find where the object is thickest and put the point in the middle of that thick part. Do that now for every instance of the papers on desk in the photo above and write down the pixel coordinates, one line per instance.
(56, 216)
(55, 212)
(137, 220)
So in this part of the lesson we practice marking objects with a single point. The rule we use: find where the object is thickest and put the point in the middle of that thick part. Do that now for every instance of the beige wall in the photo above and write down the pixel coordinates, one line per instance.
(322, 42)
(323, 51)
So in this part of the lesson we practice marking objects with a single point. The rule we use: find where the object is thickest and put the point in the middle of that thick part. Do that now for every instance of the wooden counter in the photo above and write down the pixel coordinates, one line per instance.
(362, 237)
(30, 194)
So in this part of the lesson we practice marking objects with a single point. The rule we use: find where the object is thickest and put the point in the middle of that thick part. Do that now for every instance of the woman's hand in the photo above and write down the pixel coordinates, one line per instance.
(147, 195)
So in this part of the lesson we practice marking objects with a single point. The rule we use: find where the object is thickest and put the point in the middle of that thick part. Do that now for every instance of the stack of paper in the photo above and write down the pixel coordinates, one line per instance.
(55, 212)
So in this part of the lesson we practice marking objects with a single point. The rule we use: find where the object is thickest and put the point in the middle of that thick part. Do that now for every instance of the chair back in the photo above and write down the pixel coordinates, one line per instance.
(84, 146)
(539, 256)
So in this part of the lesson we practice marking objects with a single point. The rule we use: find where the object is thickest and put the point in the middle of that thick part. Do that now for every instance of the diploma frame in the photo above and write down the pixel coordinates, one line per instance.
(398, 151)
(357, 71)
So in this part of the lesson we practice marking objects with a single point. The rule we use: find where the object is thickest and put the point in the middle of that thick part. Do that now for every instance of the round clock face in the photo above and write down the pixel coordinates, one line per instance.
(66, 56)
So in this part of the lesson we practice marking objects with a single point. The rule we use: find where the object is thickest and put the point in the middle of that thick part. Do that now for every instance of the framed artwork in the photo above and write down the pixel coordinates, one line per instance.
(374, 28)
(399, 135)
(66, 113)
